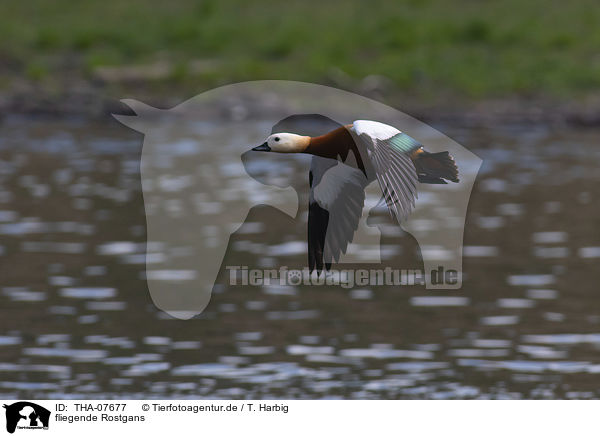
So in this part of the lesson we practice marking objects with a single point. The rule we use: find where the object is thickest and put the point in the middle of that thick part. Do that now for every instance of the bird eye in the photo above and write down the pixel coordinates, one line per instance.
(277, 138)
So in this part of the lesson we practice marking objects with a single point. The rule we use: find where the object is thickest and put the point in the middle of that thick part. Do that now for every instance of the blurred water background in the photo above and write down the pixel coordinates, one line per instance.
(77, 320)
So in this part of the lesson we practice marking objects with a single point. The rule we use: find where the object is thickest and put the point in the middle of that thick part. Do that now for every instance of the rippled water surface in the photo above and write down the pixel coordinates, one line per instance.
(77, 319)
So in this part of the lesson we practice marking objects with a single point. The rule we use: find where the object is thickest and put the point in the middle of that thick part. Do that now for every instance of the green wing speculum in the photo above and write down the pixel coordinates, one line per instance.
(403, 143)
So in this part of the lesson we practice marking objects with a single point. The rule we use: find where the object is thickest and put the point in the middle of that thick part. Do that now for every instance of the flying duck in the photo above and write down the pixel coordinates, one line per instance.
(345, 160)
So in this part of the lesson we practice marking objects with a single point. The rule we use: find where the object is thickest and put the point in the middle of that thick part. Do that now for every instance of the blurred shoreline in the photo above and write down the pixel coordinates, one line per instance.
(96, 100)
(507, 62)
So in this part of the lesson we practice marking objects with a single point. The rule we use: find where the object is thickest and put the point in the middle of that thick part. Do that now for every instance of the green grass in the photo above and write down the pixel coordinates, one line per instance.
(475, 49)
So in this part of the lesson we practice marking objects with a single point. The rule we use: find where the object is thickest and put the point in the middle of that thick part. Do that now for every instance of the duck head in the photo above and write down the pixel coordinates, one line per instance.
(284, 143)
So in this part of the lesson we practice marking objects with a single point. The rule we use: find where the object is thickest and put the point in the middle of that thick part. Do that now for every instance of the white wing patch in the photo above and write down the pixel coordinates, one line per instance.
(394, 168)
(374, 129)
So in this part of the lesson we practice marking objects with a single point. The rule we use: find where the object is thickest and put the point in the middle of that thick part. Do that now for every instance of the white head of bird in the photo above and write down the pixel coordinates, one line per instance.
(284, 143)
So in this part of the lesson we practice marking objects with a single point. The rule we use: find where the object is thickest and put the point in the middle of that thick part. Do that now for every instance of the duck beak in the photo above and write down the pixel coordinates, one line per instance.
(262, 147)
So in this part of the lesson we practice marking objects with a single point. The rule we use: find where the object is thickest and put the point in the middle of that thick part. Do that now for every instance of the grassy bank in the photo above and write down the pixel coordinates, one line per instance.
(430, 49)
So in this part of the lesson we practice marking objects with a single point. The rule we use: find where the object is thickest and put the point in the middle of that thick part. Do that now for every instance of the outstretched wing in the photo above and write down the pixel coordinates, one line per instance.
(337, 195)
(389, 150)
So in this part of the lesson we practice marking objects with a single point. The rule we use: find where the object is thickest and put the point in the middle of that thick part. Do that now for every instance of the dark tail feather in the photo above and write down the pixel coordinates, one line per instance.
(435, 167)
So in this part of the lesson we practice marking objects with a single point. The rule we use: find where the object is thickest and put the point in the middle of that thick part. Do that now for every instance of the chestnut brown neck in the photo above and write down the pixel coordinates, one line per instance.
(335, 145)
